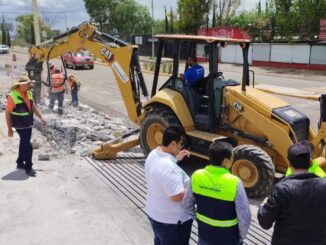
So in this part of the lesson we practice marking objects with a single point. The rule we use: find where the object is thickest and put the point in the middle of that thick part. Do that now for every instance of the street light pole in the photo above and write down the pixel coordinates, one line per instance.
(36, 23)
(153, 48)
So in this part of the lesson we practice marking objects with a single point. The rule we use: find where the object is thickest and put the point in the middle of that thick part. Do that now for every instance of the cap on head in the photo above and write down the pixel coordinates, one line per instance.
(299, 156)
(57, 70)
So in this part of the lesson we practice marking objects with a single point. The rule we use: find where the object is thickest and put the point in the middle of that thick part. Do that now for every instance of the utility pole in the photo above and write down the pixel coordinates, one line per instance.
(36, 23)
(153, 47)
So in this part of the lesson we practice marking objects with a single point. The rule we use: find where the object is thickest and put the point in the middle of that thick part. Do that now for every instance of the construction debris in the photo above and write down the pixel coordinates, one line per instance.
(79, 130)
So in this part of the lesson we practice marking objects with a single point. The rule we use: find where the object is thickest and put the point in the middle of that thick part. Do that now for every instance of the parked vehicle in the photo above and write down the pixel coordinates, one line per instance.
(78, 60)
(4, 49)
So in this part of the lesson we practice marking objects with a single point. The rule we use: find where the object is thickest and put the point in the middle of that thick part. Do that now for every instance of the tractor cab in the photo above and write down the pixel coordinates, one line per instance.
(204, 100)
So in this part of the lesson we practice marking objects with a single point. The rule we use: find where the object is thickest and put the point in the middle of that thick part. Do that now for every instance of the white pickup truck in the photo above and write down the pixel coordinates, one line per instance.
(4, 49)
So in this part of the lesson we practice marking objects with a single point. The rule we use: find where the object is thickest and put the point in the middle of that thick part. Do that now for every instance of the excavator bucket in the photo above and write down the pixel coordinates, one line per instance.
(109, 151)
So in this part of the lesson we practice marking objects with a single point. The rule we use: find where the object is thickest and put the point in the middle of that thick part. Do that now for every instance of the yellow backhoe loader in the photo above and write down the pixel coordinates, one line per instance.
(259, 125)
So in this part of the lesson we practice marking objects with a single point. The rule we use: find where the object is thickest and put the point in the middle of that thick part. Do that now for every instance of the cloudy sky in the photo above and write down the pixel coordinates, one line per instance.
(62, 13)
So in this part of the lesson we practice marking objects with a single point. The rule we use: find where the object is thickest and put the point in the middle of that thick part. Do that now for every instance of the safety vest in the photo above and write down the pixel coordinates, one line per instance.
(314, 169)
(57, 83)
(21, 116)
(215, 189)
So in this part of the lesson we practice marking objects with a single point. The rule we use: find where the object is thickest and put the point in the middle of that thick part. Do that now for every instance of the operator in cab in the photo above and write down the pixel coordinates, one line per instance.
(194, 73)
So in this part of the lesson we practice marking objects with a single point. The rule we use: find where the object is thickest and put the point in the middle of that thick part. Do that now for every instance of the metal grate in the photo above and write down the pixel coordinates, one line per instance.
(126, 177)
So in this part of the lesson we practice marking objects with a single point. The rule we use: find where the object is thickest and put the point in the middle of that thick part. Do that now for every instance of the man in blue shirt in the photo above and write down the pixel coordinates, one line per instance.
(194, 73)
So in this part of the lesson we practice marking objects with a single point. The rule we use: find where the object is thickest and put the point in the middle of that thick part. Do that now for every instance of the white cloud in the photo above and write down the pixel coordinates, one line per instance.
(18, 3)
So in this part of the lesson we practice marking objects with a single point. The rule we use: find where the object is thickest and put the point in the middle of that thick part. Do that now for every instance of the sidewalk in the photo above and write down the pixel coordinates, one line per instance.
(67, 203)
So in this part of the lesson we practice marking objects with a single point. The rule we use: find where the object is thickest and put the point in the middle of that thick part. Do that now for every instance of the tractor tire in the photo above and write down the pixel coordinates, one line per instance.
(153, 125)
(255, 168)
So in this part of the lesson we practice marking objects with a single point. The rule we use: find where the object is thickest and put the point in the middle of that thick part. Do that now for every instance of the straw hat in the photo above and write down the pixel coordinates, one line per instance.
(20, 81)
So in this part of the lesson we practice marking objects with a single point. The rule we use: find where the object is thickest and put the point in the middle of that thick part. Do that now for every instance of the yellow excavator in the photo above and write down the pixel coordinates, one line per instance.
(259, 125)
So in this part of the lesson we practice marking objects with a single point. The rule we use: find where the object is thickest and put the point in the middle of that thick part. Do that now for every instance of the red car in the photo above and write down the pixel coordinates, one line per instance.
(79, 59)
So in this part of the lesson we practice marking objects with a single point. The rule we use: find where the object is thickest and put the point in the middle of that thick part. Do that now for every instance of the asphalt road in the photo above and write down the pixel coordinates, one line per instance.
(99, 88)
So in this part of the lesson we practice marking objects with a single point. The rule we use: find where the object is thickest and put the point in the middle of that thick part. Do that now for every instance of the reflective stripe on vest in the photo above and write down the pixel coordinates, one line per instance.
(314, 169)
(21, 116)
(57, 83)
(218, 185)
(217, 223)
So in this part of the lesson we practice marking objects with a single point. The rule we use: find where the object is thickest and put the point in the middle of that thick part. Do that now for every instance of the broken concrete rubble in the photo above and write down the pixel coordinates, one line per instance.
(78, 131)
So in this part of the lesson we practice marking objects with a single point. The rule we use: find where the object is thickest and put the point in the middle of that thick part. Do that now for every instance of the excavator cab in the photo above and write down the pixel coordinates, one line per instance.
(205, 99)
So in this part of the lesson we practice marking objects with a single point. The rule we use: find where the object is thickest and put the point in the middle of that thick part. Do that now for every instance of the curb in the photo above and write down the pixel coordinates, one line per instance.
(307, 97)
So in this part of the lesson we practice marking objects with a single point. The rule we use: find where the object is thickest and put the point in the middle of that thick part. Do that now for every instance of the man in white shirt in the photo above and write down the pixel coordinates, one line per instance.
(166, 183)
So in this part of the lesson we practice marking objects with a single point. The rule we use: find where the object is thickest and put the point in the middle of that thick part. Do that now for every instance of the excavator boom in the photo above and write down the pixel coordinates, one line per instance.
(119, 55)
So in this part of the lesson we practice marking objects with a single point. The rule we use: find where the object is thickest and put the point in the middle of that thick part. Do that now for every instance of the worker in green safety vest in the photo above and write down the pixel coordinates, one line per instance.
(19, 115)
(222, 207)
(314, 168)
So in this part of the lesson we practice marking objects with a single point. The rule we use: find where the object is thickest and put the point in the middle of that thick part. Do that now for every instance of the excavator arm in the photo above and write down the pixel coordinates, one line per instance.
(119, 55)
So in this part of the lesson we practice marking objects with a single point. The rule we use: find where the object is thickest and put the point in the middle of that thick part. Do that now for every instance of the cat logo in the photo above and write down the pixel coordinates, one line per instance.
(107, 54)
(237, 106)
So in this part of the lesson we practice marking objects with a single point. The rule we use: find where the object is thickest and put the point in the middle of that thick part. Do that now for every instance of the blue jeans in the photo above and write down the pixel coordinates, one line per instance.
(59, 97)
(25, 153)
(171, 234)
(74, 96)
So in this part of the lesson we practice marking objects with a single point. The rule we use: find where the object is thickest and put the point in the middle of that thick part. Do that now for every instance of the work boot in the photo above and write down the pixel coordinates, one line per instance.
(30, 172)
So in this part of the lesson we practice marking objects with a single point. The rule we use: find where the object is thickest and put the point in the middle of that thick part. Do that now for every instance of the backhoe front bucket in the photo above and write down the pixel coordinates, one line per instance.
(109, 151)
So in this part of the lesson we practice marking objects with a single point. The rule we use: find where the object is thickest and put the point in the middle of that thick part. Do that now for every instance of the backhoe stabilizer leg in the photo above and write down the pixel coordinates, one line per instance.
(109, 151)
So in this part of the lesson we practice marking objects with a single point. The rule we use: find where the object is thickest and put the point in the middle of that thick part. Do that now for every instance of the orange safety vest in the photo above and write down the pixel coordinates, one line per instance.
(57, 83)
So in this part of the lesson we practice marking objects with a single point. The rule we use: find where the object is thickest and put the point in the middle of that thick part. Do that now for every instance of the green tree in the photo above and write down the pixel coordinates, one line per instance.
(309, 14)
(25, 30)
(225, 10)
(166, 21)
(131, 18)
(4, 36)
(102, 12)
(8, 38)
(160, 27)
(32, 34)
(259, 26)
(171, 20)
(259, 8)
(297, 18)
(214, 16)
(192, 14)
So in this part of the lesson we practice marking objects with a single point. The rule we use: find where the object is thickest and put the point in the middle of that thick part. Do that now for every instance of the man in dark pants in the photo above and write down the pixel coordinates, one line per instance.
(57, 90)
(218, 200)
(296, 203)
(19, 114)
(74, 85)
(166, 183)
